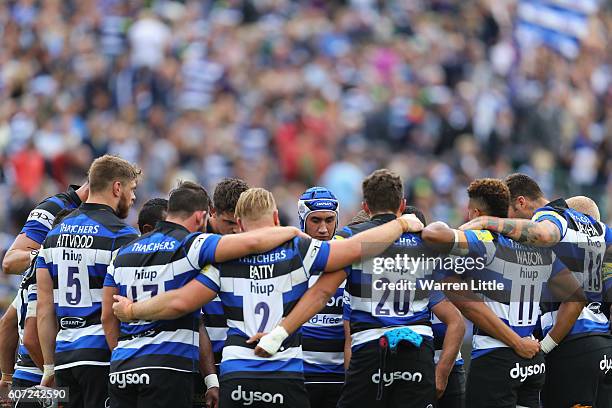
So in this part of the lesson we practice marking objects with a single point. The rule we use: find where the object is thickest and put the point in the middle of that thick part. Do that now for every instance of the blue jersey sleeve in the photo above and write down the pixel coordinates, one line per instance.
(549, 214)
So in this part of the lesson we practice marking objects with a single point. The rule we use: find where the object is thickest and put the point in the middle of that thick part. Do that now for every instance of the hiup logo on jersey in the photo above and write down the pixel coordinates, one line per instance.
(248, 397)
(72, 322)
(389, 378)
(524, 372)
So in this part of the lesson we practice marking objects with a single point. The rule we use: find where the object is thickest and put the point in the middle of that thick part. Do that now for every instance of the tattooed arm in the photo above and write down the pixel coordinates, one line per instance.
(542, 233)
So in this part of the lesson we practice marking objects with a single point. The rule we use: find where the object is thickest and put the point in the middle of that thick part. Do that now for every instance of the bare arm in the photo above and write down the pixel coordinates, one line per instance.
(9, 337)
(450, 316)
(166, 306)
(45, 315)
(543, 233)
(568, 290)
(31, 342)
(110, 323)
(18, 257)
(260, 240)
(474, 309)
(207, 358)
(348, 351)
(441, 237)
(344, 252)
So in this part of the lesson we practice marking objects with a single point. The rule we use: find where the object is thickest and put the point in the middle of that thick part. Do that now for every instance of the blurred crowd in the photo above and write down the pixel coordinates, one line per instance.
(287, 94)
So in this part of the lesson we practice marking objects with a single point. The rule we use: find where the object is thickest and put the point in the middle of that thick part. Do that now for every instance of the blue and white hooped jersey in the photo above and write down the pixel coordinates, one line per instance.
(257, 291)
(582, 249)
(216, 326)
(373, 307)
(25, 305)
(439, 333)
(77, 253)
(41, 218)
(164, 259)
(524, 273)
(323, 340)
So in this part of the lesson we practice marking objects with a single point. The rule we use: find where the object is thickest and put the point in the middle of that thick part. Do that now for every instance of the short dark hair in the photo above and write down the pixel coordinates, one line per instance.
(492, 194)
(107, 169)
(152, 212)
(227, 193)
(418, 213)
(521, 184)
(187, 198)
(59, 217)
(383, 191)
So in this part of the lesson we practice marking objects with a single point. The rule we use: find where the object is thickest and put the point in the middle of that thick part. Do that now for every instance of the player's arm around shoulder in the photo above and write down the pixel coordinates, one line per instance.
(260, 240)
(538, 231)
(344, 252)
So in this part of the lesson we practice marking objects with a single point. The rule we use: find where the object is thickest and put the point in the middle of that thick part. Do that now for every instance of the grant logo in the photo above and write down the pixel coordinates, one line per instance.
(389, 378)
(72, 322)
(527, 371)
(121, 380)
(248, 397)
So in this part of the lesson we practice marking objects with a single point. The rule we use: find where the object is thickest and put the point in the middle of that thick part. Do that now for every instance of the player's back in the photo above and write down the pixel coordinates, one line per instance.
(257, 291)
(154, 263)
(582, 249)
(511, 282)
(77, 253)
(377, 303)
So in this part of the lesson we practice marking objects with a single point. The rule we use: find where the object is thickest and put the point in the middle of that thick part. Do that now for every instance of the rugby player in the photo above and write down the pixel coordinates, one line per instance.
(507, 368)
(374, 377)
(257, 291)
(19, 256)
(70, 272)
(213, 330)
(323, 335)
(580, 242)
(154, 361)
(153, 211)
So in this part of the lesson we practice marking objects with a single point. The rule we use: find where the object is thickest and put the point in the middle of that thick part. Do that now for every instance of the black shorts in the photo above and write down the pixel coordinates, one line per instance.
(503, 379)
(323, 394)
(408, 378)
(454, 395)
(86, 384)
(262, 393)
(579, 371)
(152, 388)
(20, 383)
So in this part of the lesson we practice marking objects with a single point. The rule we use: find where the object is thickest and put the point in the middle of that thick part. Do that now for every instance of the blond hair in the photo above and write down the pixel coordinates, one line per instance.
(107, 169)
(584, 205)
(255, 203)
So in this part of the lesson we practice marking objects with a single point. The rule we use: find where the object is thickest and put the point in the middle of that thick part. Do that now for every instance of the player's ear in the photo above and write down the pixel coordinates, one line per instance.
(240, 225)
(521, 201)
(364, 207)
(276, 218)
(402, 206)
(116, 187)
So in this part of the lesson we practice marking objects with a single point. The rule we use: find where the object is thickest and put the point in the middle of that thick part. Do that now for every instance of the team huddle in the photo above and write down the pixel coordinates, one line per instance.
(213, 300)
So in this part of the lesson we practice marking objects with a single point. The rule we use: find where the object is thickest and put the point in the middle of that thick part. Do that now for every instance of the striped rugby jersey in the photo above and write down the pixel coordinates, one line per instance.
(372, 307)
(323, 340)
(41, 218)
(164, 259)
(216, 326)
(582, 249)
(25, 304)
(257, 291)
(76, 253)
(524, 272)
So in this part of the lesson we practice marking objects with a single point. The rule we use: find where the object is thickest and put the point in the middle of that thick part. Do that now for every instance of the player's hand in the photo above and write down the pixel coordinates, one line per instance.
(410, 223)
(478, 223)
(527, 347)
(212, 397)
(441, 382)
(122, 308)
(48, 381)
(258, 350)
